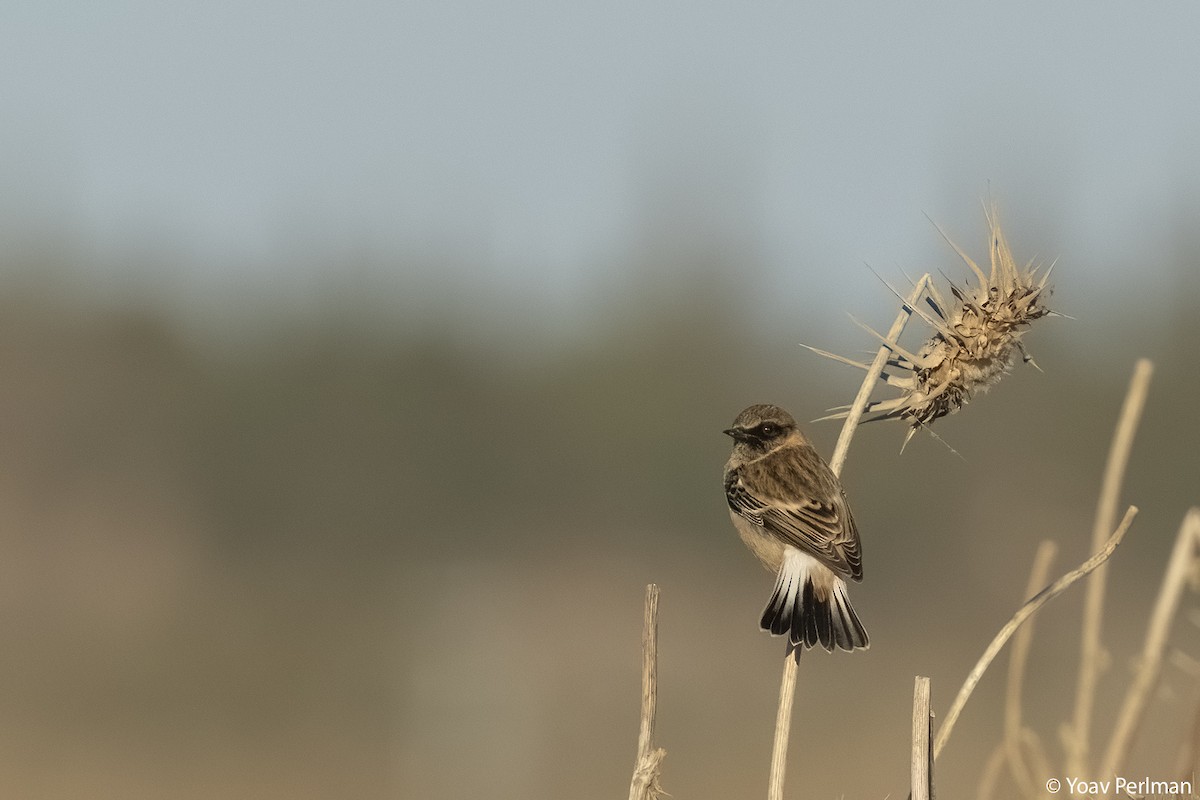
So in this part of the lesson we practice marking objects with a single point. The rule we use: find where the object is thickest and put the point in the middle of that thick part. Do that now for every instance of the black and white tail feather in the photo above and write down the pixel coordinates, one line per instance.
(809, 616)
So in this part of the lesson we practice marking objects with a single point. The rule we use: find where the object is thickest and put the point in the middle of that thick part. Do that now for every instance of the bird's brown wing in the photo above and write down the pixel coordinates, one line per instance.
(795, 497)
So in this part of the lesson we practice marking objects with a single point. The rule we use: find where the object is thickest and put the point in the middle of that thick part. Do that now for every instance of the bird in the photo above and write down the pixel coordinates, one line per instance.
(790, 510)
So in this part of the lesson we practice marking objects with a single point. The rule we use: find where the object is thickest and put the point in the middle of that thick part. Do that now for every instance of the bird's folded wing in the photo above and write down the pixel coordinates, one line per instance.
(824, 530)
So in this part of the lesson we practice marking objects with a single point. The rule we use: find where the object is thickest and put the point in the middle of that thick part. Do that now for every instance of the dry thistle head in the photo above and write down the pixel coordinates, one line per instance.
(975, 341)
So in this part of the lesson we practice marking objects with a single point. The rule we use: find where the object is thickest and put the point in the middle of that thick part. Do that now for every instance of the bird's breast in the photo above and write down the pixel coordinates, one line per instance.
(765, 547)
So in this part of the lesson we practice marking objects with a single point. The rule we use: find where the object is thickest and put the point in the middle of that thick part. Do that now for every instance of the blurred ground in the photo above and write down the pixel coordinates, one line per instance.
(336, 558)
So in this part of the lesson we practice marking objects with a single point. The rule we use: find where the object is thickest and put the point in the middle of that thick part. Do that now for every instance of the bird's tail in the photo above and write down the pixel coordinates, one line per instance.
(811, 606)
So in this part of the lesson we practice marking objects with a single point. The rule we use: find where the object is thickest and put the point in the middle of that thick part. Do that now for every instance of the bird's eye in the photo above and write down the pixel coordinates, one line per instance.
(767, 429)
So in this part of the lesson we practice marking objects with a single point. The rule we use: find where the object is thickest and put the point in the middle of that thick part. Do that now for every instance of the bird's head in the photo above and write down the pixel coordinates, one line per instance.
(761, 428)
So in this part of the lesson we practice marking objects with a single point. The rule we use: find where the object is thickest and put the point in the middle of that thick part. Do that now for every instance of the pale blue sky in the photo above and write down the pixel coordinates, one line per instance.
(528, 145)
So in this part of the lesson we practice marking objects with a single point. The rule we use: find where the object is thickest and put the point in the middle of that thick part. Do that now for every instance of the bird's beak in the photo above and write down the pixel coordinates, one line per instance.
(734, 432)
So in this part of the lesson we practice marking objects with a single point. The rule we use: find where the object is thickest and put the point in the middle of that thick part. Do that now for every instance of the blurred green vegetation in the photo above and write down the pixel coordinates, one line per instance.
(332, 556)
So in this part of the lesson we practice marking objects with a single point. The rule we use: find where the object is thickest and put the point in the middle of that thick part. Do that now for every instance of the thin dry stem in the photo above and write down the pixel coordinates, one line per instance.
(783, 725)
(1030, 607)
(1036, 753)
(644, 785)
(859, 406)
(989, 779)
(1014, 730)
(1091, 654)
(922, 757)
(1187, 760)
(787, 688)
(993, 770)
(1174, 582)
(1189, 751)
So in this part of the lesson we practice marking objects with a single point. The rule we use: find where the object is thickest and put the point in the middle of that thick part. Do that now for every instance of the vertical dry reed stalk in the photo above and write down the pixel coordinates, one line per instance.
(1017, 738)
(647, 768)
(1183, 560)
(921, 767)
(1091, 656)
(1019, 744)
(1188, 759)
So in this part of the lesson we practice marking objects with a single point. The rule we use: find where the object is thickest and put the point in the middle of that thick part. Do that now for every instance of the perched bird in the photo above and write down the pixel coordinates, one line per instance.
(791, 511)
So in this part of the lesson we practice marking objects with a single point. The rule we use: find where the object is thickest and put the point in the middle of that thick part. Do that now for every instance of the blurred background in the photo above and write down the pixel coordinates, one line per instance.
(361, 363)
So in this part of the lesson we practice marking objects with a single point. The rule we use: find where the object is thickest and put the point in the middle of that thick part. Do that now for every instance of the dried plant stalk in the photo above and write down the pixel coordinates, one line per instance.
(1182, 561)
(1015, 733)
(993, 768)
(862, 400)
(783, 727)
(1025, 612)
(922, 756)
(1008, 753)
(1091, 655)
(646, 771)
(1188, 759)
